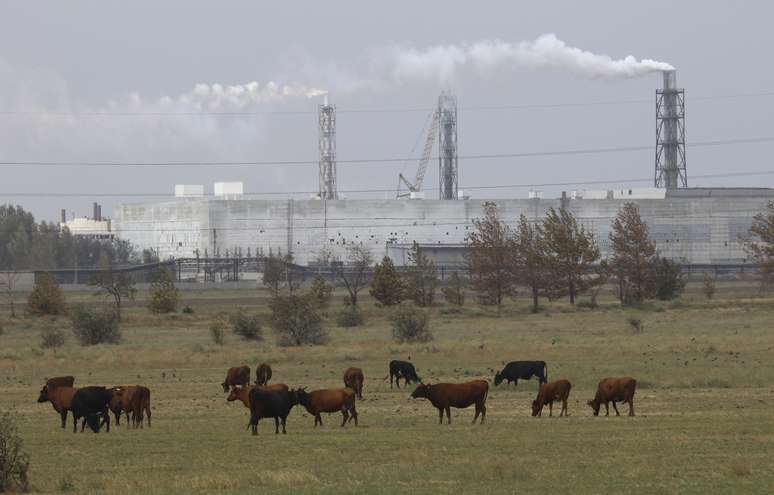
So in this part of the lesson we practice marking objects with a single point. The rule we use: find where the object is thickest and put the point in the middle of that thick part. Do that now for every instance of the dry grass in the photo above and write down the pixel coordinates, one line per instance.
(705, 396)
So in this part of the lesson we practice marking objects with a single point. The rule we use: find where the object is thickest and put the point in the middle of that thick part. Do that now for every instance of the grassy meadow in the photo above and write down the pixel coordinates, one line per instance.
(705, 421)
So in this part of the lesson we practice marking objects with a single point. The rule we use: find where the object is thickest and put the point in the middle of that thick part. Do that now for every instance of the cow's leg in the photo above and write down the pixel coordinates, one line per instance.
(117, 414)
(353, 414)
(448, 415)
(284, 419)
(478, 411)
(148, 413)
(550, 409)
(631, 407)
(616, 409)
(276, 425)
(483, 412)
(318, 419)
(63, 415)
(440, 415)
(607, 408)
(515, 382)
(344, 416)
(106, 420)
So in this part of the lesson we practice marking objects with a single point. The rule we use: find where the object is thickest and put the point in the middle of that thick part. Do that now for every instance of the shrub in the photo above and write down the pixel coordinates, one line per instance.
(667, 279)
(188, 310)
(636, 324)
(51, 338)
(217, 333)
(246, 326)
(410, 324)
(14, 462)
(709, 286)
(350, 316)
(321, 292)
(454, 292)
(93, 327)
(46, 297)
(164, 294)
(296, 320)
(386, 286)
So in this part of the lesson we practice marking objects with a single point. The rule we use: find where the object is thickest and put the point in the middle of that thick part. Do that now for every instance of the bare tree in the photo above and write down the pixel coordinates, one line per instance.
(572, 254)
(490, 258)
(115, 284)
(532, 267)
(354, 273)
(8, 284)
(420, 278)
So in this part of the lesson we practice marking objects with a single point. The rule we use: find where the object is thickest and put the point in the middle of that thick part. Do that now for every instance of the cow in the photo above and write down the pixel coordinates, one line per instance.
(262, 374)
(548, 393)
(243, 393)
(60, 381)
(329, 401)
(405, 370)
(614, 390)
(353, 378)
(133, 400)
(60, 397)
(525, 370)
(238, 375)
(265, 403)
(90, 403)
(460, 395)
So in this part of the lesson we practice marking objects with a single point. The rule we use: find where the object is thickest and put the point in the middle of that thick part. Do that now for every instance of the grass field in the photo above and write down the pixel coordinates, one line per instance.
(704, 424)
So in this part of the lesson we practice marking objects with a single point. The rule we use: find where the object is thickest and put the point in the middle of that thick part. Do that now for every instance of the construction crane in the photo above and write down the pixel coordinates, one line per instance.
(416, 186)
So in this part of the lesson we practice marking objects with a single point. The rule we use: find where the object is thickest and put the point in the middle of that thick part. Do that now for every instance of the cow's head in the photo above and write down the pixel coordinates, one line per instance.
(422, 391)
(595, 406)
(498, 379)
(43, 397)
(535, 408)
(300, 395)
(235, 394)
(225, 386)
(93, 421)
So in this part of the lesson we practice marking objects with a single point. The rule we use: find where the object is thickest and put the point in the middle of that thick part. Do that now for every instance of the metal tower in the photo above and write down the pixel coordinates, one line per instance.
(670, 135)
(447, 146)
(326, 116)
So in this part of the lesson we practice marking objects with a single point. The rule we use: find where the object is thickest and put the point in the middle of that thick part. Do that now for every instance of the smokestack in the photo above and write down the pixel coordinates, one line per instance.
(99, 212)
(670, 79)
(94, 211)
(670, 134)
(63, 215)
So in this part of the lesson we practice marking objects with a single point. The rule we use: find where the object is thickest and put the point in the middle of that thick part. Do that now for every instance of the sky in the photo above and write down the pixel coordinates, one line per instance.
(101, 82)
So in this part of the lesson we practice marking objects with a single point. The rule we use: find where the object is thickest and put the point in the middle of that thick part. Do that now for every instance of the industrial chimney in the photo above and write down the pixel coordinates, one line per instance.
(447, 146)
(63, 216)
(326, 118)
(670, 134)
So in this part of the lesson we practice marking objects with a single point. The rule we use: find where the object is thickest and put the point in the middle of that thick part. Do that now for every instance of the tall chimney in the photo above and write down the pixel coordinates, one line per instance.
(94, 211)
(670, 134)
(64, 216)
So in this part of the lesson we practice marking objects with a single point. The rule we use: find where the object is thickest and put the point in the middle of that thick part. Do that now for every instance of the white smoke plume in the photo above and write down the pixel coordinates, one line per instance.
(443, 62)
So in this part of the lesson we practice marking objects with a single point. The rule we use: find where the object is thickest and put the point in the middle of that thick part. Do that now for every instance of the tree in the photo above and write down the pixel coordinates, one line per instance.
(420, 281)
(489, 258)
(14, 461)
(387, 286)
(454, 292)
(633, 254)
(572, 254)
(164, 294)
(759, 244)
(8, 285)
(46, 297)
(321, 291)
(354, 273)
(709, 286)
(532, 259)
(296, 320)
(116, 284)
(274, 273)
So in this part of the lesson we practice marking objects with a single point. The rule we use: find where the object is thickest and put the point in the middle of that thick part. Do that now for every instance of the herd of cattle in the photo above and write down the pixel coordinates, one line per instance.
(93, 404)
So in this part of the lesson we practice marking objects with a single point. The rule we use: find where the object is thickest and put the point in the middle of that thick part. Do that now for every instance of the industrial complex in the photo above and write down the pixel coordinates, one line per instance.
(689, 225)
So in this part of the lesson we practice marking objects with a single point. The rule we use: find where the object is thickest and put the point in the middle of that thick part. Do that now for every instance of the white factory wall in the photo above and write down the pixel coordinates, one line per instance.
(687, 229)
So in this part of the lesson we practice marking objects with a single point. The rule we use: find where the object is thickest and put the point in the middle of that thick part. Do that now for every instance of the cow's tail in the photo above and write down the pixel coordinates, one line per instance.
(385, 378)
(545, 372)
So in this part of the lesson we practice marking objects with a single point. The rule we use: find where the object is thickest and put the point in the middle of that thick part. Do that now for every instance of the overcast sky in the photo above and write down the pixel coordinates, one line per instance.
(61, 62)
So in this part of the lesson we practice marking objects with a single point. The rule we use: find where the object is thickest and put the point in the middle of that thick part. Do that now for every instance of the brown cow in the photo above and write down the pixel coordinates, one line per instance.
(238, 375)
(548, 393)
(329, 401)
(460, 395)
(262, 374)
(353, 378)
(614, 390)
(60, 397)
(134, 400)
(243, 393)
(60, 381)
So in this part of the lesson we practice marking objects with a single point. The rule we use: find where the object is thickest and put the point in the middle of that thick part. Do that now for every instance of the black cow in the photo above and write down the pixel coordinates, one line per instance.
(524, 370)
(275, 404)
(90, 403)
(405, 370)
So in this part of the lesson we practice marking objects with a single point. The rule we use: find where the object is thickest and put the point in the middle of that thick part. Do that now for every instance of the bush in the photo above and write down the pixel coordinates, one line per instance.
(93, 327)
(164, 294)
(410, 324)
(188, 310)
(636, 325)
(51, 338)
(296, 320)
(14, 462)
(46, 297)
(321, 292)
(709, 286)
(217, 333)
(454, 292)
(246, 326)
(387, 286)
(667, 279)
(350, 316)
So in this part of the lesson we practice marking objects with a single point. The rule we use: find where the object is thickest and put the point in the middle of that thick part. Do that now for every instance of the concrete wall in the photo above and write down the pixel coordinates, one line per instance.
(690, 228)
